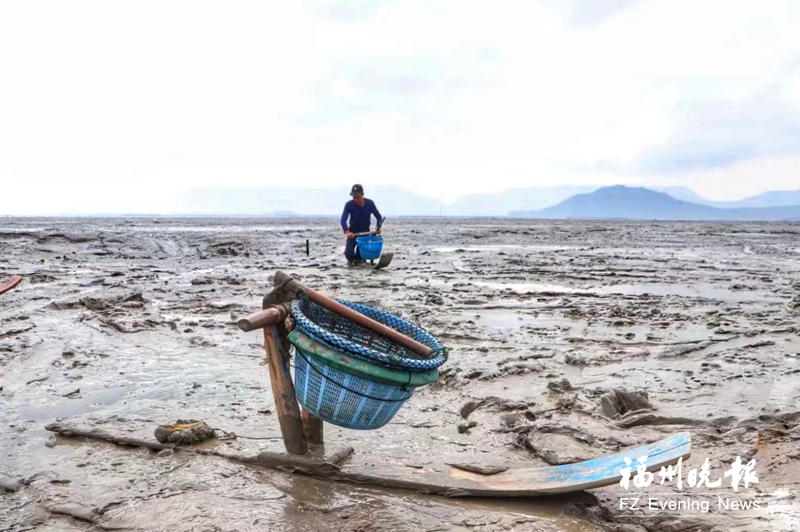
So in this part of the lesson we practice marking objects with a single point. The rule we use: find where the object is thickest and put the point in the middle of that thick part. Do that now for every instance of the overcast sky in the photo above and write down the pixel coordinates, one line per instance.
(134, 98)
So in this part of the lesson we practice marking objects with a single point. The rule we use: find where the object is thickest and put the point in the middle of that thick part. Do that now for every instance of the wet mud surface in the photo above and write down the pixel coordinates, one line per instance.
(567, 341)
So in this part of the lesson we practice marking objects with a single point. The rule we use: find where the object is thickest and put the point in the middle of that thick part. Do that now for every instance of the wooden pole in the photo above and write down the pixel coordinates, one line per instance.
(312, 428)
(264, 318)
(270, 318)
(289, 416)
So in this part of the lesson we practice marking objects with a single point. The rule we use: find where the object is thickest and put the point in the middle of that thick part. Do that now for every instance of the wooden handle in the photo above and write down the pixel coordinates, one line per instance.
(364, 321)
(264, 318)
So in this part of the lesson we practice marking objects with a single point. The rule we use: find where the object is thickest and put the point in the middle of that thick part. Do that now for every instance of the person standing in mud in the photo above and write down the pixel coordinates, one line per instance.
(358, 210)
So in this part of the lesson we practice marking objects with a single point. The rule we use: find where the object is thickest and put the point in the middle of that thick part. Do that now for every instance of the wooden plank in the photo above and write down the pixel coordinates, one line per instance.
(289, 417)
(525, 482)
(13, 281)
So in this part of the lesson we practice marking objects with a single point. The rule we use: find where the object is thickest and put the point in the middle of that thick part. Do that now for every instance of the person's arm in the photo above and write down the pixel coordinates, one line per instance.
(377, 215)
(343, 221)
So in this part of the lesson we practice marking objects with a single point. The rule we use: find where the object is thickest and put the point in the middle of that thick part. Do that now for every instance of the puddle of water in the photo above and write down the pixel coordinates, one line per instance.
(701, 291)
(530, 287)
(505, 321)
(255, 337)
(72, 407)
(659, 289)
(500, 247)
(223, 229)
(324, 494)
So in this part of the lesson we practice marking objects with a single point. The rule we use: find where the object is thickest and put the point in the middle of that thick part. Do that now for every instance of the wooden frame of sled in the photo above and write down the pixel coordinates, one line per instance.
(299, 428)
(10, 283)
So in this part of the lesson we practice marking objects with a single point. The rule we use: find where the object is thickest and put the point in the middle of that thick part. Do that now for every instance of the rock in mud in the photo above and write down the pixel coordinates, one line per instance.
(637, 419)
(515, 369)
(464, 427)
(575, 360)
(223, 305)
(682, 350)
(562, 385)
(107, 301)
(496, 403)
(72, 509)
(8, 484)
(480, 469)
(185, 432)
(620, 401)
(559, 449)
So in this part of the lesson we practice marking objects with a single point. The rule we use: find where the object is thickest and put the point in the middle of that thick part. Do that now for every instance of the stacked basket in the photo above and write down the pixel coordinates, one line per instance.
(352, 377)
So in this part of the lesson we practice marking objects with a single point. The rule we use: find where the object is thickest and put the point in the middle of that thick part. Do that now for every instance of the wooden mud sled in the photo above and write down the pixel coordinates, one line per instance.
(301, 428)
(10, 283)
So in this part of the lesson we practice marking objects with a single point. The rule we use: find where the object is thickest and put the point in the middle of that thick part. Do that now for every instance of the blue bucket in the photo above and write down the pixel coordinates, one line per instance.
(370, 246)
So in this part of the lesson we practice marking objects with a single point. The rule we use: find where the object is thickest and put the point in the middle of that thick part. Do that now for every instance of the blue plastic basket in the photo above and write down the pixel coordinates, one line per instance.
(345, 336)
(370, 246)
(343, 399)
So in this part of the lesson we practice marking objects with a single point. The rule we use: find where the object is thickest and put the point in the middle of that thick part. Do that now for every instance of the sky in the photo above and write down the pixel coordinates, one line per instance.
(121, 104)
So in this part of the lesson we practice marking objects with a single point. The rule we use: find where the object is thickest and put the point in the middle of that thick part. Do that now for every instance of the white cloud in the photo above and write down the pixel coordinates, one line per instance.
(519, 93)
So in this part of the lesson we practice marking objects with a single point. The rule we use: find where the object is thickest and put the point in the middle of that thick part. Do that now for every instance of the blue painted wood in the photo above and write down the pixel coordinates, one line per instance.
(608, 467)
(525, 482)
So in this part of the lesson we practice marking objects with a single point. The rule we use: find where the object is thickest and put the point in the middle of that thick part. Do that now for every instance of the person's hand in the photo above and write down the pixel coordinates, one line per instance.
(348, 234)
(379, 230)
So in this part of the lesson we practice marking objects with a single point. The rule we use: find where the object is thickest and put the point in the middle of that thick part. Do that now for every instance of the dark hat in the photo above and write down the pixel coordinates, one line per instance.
(357, 189)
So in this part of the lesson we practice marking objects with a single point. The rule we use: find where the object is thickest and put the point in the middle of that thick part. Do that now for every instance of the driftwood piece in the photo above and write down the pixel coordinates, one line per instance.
(340, 456)
(96, 434)
(282, 461)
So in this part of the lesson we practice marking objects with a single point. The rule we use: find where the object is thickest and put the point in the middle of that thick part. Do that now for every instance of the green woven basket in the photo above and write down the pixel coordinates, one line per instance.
(361, 368)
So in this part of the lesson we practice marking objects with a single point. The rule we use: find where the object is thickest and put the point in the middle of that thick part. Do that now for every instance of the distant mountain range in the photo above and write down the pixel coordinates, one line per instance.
(391, 201)
(255, 201)
(560, 201)
(637, 203)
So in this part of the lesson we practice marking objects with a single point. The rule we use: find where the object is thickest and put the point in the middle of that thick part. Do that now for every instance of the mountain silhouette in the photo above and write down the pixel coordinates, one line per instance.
(638, 203)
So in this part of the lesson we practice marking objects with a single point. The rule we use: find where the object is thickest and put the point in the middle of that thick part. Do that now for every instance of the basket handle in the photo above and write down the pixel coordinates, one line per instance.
(293, 286)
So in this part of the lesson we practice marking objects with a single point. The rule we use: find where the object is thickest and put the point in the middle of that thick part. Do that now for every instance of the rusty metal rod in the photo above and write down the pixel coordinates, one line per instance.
(334, 306)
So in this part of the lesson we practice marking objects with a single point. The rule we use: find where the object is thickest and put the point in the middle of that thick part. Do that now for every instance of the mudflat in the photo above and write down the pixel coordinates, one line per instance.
(567, 341)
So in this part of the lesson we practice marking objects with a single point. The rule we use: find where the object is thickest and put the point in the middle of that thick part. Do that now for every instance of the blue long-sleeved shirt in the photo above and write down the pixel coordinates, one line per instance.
(359, 216)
